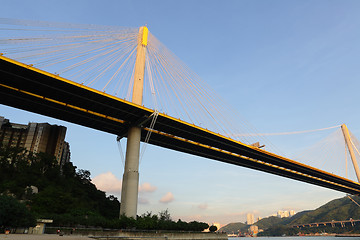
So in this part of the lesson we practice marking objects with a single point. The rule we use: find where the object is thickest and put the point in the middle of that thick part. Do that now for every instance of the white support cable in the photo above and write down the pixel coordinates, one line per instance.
(325, 153)
(119, 69)
(353, 200)
(354, 147)
(63, 47)
(154, 116)
(184, 73)
(183, 93)
(93, 71)
(94, 50)
(289, 133)
(346, 162)
(169, 83)
(118, 140)
(128, 73)
(113, 60)
(156, 79)
(151, 82)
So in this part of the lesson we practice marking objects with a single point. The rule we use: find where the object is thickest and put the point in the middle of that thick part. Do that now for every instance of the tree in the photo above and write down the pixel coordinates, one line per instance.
(67, 196)
(213, 228)
(197, 226)
(84, 175)
(14, 214)
(165, 215)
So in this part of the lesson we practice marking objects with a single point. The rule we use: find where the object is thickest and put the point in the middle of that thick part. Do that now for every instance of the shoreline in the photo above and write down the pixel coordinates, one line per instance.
(118, 235)
(16, 236)
(347, 235)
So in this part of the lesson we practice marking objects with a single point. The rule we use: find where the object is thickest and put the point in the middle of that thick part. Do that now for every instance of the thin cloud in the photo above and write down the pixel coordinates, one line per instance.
(143, 201)
(167, 198)
(203, 206)
(107, 182)
(147, 187)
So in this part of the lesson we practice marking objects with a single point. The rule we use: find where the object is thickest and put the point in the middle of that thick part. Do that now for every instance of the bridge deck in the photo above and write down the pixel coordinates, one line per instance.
(331, 223)
(25, 87)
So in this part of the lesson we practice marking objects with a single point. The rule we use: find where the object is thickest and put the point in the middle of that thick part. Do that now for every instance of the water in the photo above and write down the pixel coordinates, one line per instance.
(298, 238)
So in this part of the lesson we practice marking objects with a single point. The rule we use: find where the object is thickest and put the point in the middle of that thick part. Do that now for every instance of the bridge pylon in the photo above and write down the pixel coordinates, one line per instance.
(130, 183)
(349, 144)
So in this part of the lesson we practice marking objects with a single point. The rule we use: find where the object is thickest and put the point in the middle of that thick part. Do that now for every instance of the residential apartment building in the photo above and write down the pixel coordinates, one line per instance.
(36, 137)
(282, 214)
(250, 219)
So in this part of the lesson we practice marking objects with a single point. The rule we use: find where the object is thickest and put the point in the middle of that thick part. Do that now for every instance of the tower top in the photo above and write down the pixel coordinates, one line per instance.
(144, 37)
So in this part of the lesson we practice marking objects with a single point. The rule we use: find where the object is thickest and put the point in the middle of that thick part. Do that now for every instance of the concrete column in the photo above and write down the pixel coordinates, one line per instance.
(130, 184)
(351, 150)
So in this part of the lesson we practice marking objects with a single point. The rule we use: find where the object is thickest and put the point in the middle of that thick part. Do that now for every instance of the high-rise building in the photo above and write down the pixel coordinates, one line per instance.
(65, 157)
(282, 214)
(250, 219)
(292, 213)
(286, 214)
(36, 137)
(12, 134)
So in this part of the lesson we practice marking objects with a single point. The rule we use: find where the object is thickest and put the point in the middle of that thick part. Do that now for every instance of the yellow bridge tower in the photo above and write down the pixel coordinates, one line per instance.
(130, 183)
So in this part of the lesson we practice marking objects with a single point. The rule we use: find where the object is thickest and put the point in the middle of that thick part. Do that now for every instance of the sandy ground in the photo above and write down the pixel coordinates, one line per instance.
(41, 237)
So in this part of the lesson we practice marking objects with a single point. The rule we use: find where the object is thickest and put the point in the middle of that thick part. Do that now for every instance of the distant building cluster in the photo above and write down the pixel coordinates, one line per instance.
(250, 218)
(283, 214)
(36, 137)
(254, 230)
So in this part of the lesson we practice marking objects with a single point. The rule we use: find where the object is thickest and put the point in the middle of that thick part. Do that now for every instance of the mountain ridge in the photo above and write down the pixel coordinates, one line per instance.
(338, 209)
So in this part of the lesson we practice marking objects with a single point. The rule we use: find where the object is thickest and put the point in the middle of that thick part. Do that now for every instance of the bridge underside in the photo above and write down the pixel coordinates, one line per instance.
(28, 88)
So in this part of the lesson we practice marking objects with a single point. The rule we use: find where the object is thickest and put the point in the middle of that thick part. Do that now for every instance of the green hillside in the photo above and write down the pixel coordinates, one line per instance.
(338, 209)
(34, 185)
(262, 224)
(268, 222)
(234, 227)
(67, 196)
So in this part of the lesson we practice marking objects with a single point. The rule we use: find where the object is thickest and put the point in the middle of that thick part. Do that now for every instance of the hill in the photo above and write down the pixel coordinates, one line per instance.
(268, 222)
(234, 227)
(338, 209)
(67, 196)
(242, 227)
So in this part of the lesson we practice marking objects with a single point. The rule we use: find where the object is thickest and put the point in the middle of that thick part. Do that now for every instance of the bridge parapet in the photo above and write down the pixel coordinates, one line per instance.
(341, 223)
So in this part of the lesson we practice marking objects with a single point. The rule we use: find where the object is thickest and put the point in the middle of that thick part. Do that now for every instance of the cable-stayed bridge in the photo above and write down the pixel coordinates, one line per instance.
(26, 87)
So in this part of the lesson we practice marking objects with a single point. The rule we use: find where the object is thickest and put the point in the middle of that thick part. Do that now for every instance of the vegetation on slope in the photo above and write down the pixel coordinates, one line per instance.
(242, 227)
(14, 214)
(234, 227)
(67, 195)
(67, 198)
(337, 210)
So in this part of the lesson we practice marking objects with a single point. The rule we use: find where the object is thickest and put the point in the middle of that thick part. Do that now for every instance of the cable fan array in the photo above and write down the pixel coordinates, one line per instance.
(331, 154)
(103, 57)
(96, 56)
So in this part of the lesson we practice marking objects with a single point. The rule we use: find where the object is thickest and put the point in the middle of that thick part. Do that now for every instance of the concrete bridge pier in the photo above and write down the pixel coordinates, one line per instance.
(130, 184)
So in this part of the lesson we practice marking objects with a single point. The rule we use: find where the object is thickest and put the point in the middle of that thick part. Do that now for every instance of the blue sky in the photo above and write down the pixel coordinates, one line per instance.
(283, 65)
